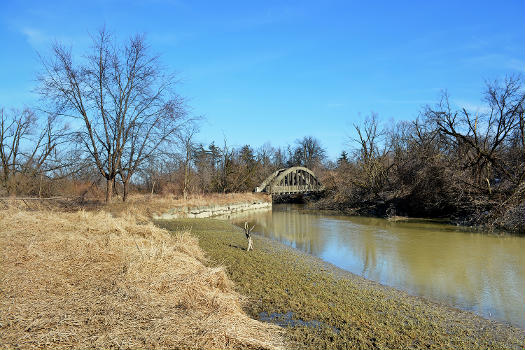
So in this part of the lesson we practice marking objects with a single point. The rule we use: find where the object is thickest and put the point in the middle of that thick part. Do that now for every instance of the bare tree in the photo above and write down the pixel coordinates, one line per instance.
(26, 145)
(480, 141)
(224, 169)
(13, 129)
(124, 99)
(186, 138)
(310, 151)
(371, 154)
(280, 158)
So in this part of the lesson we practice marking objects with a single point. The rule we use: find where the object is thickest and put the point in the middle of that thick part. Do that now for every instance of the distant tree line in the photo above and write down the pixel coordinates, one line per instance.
(200, 168)
(111, 121)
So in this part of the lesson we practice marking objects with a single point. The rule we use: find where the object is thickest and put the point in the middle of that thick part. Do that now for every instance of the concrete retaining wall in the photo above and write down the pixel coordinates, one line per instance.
(212, 210)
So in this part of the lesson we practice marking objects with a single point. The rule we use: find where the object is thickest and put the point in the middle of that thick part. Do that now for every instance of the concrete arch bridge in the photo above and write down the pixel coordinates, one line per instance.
(296, 179)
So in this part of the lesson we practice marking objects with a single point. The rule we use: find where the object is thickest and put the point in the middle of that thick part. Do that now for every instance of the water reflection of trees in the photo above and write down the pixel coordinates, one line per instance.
(298, 230)
(480, 272)
(302, 231)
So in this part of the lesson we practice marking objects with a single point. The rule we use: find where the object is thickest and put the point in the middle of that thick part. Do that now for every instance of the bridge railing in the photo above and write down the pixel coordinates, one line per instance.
(294, 189)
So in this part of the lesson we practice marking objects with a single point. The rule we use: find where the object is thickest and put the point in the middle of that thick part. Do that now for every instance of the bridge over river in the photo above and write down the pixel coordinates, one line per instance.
(296, 179)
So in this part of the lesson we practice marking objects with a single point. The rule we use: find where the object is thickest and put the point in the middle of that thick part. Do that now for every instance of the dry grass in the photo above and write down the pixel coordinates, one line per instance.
(89, 280)
(145, 205)
(140, 205)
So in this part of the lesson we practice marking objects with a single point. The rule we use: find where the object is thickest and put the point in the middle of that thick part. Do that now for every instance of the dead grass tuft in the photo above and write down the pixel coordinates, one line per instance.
(87, 279)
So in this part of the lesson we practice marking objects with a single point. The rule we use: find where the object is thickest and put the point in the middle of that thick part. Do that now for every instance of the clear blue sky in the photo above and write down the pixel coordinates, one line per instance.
(274, 71)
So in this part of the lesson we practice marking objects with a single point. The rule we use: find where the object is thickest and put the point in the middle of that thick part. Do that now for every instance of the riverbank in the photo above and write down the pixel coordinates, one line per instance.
(213, 210)
(145, 205)
(326, 307)
(505, 216)
(77, 280)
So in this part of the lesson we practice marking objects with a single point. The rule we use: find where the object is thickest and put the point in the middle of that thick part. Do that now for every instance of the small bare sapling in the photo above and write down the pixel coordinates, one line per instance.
(248, 233)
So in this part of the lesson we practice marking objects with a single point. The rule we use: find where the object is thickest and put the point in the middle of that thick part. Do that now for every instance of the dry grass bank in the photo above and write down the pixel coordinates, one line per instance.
(147, 205)
(87, 279)
(137, 204)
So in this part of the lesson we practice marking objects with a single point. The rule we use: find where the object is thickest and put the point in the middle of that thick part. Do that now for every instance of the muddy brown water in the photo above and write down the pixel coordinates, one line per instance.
(476, 271)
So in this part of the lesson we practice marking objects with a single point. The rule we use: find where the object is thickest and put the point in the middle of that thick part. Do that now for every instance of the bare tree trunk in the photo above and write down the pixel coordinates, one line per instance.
(186, 138)
(186, 176)
(115, 187)
(248, 233)
(125, 190)
(109, 190)
(40, 187)
(5, 180)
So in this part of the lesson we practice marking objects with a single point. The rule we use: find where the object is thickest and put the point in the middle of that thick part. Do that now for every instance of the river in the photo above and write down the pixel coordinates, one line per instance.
(480, 272)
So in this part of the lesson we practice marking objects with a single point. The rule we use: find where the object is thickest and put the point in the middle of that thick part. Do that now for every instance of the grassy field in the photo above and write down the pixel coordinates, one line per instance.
(322, 307)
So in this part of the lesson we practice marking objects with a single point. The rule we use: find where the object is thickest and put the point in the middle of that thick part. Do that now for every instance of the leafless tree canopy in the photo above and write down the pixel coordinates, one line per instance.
(451, 162)
(482, 141)
(186, 139)
(124, 99)
(28, 147)
(309, 152)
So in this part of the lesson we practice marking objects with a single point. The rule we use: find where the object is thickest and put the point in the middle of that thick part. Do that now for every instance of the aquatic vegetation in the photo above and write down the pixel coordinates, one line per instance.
(321, 306)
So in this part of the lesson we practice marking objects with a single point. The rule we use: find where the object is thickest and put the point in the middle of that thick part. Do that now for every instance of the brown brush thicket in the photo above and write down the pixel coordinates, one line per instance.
(188, 170)
(89, 280)
(29, 146)
(450, 162)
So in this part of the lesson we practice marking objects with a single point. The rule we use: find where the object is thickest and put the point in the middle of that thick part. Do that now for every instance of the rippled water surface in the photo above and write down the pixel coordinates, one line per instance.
(483, 273)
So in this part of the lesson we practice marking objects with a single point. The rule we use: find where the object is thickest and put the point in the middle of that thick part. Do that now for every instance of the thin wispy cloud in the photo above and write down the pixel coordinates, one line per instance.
(516, 64)
(233, 64)
(41, 40)
(35, 37)
(267, 17)
(496, 60)
(470, 106)
(405, 102)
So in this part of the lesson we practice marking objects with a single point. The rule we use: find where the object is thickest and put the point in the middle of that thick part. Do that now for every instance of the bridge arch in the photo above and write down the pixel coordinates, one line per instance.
(296, 179)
